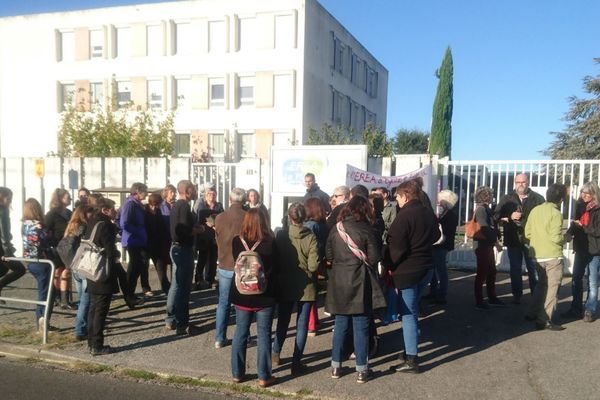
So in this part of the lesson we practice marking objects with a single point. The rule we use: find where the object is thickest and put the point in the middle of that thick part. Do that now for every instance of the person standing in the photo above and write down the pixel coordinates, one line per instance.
(544, 232)
(134, 237)
(313, 190)
(157, 237)
(55, 223)
(483, 244)
(256, 234)
(512, 212)
(227, 226)
(341, 195)
(254, 201)
(587, 201)
(101, 292)
(298, 259)
(10, 271)
(183, 231)
(352, 296)
(410, 240)
(206, 210)
(389, 210)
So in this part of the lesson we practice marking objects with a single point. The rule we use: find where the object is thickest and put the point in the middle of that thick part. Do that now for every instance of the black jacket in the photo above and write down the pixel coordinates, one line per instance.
(268, 254)
(514, 231)
(55, 222)
(448, 221)
(315, 191)
(410, 243)
(349, 288)
(593, 231)
(580, 240)
(6, 249)
(106, 237)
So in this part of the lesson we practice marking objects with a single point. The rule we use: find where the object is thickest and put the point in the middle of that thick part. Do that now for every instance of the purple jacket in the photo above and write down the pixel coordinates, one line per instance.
(132, 224)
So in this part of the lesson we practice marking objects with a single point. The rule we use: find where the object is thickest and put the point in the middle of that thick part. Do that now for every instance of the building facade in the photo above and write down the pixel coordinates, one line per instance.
(241, 75)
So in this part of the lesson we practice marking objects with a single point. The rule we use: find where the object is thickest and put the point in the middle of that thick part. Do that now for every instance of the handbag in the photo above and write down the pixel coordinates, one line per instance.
(377, 297)
(90, 261)
(472, 227)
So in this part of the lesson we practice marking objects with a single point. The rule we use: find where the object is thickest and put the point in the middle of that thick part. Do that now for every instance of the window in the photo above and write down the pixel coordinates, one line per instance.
(285, 30)
(283, 91)
(155, 94)
(247, 34)
(246, 90)
(96, 96)
(123, 94)
(67, 46)
(183, 93)
(123, 42)
(245, 144)
(337, 106)
(371, 82)
(183, 40)
(217, 92)
(154, 41)
(216, 145)
(355, 69)
(338, 55)
(370, 117)
(282, 138)
(182, 144)
(67, 95)
(216, 37)
(96, 43)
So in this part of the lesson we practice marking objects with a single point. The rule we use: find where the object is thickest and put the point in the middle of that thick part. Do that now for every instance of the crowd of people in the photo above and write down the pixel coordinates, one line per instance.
(378, 251)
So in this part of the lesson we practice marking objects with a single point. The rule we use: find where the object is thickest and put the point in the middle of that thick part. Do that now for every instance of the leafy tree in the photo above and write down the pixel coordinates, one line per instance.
(126, 132)
(410, 141)
(441, 123)
(375, 138)
(581, 138)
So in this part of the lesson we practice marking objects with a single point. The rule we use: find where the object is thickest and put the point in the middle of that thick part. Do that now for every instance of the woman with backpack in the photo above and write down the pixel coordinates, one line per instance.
(352, 290)
(255, 275)
(298, 251)
(35, 246)
(67, 248)
(10, 271)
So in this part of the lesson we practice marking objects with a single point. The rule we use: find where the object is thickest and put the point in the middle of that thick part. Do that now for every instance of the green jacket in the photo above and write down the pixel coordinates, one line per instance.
(298, 261)
(544, 231)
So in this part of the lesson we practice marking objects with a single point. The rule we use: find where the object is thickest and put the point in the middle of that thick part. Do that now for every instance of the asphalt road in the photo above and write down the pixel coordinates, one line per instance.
(21, 381)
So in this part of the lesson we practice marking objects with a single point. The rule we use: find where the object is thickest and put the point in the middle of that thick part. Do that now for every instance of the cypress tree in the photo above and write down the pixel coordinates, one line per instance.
(441, 122)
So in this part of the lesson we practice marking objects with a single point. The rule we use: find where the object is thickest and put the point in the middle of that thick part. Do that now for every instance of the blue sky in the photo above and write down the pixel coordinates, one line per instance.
(515, 63)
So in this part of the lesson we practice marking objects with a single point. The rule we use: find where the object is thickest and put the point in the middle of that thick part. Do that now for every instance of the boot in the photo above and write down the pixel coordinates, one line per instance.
(409, 365)
(64, 300)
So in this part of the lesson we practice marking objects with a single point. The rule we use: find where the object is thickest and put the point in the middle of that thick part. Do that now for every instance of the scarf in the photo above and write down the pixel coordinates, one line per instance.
(585, 217)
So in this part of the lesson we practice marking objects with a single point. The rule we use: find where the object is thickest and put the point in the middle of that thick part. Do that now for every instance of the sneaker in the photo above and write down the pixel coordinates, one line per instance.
(326, 314)
(496, 302)
(202, 285)
(184, 330)
(170, 326)
(482, 306)
(336, 373)
(240, 379)
(363, 376)
(100, 351)
(265, 383)
(148, 293)
(298, 368)
(588, 316)
(548, 326)
(275, 359)
(312, 333)
(220, 345)
(409, 365)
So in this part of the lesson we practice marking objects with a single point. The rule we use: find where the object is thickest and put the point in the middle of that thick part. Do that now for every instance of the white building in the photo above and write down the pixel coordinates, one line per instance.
(242, 74)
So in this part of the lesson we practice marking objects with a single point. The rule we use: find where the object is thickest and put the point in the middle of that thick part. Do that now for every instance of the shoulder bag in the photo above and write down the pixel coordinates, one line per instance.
(90, 260)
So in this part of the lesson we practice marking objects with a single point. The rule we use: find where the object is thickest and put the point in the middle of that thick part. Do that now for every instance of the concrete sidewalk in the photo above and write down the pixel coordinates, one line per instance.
(464, 353)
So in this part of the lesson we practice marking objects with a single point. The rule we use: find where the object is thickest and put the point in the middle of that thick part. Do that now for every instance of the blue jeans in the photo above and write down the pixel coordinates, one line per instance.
(515, 258)
(409, 310)
(439, 280)
(592, 300)
(360, 328)
(284, 315)
(580, 264)
(41, 273)
(178, 299)
(243, 319)
(84, 305)
(223, 306)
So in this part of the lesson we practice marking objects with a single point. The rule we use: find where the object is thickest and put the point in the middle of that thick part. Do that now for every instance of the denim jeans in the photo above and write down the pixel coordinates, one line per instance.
(580, 265)
(84, 305)
(439, 280)
(41, 273)
(592, 300)
(243, 319)
(223, 306)
(515, 258)
(178, 300)
(284, 314)
(409, 310)
(360, 328)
